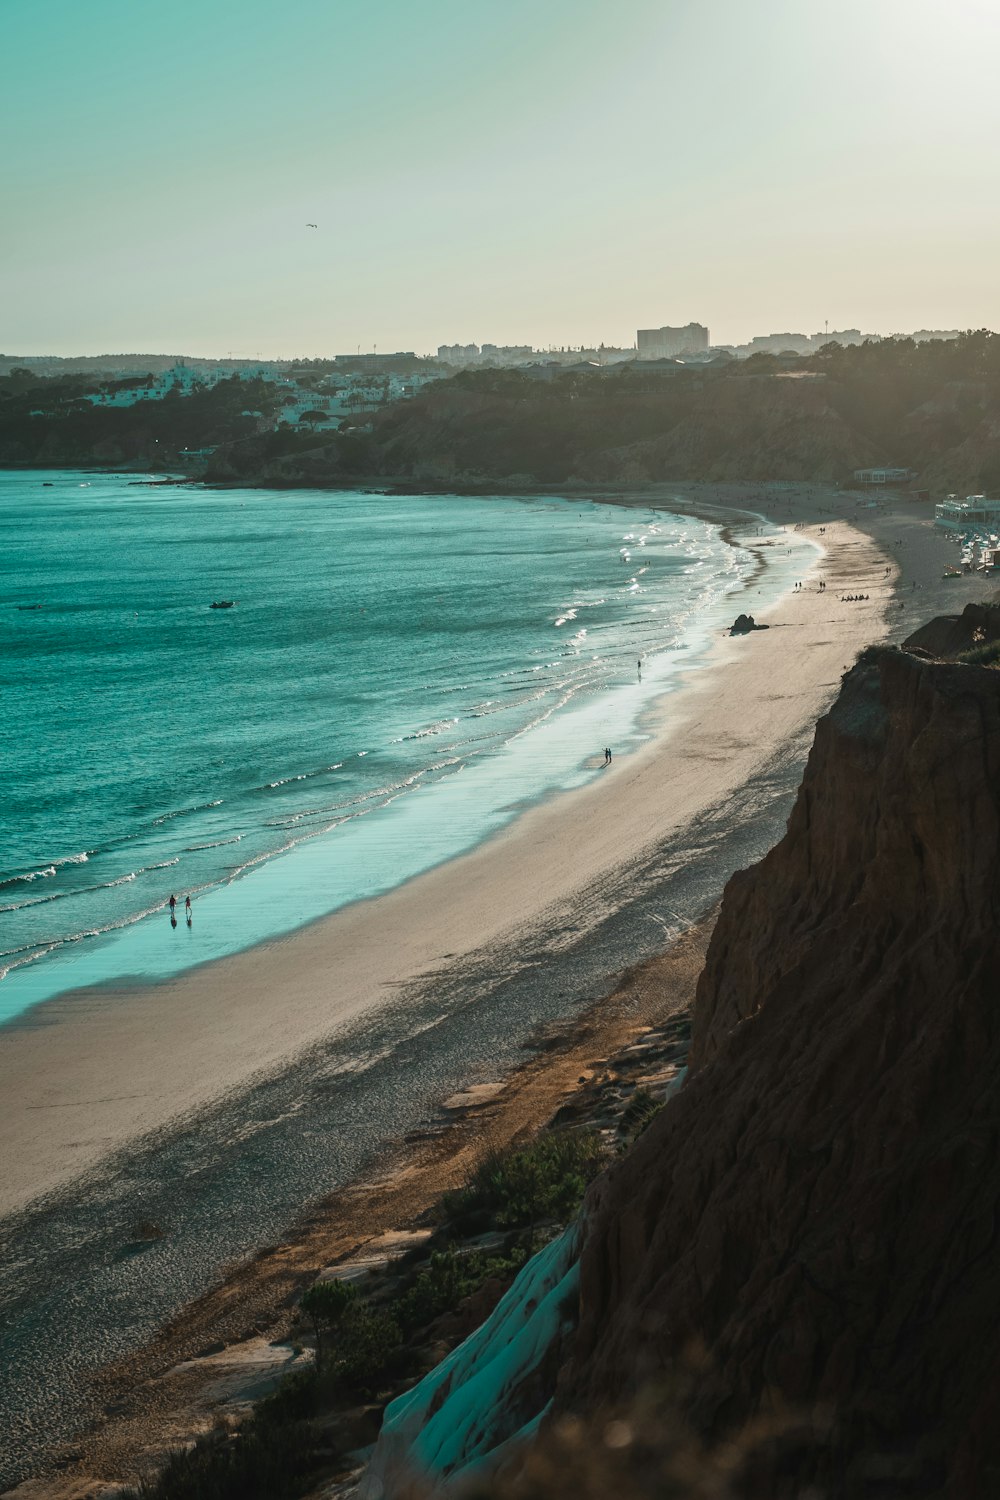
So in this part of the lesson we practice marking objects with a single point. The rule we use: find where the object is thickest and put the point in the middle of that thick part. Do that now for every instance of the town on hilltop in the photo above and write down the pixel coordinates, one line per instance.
(315, 395)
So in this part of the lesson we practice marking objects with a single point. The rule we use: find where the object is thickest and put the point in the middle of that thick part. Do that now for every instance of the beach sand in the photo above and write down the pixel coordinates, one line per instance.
(91, 1074)
(87, 1073)
(183, 1382)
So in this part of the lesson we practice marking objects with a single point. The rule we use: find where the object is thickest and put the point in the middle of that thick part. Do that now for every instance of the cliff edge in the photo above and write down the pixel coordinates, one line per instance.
(816, 1212)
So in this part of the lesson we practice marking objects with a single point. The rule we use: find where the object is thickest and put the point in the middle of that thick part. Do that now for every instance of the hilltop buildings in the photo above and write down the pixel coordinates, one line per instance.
(497, 356)
(668, 343)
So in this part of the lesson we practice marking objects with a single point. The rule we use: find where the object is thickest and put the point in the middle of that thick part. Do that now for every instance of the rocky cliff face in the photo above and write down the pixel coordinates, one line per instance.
(817, 1211)
(950, 636)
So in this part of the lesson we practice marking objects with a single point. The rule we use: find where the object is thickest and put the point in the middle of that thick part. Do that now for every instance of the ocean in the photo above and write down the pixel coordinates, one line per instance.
(397, 678)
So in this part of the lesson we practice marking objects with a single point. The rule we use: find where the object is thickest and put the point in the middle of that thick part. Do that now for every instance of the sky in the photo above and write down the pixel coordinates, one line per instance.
(552, 172)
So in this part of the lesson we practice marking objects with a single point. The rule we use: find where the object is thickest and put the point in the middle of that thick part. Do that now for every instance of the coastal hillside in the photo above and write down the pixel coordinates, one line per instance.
(817, 1209)
(933, 408)
(780, 425)
(799, 1254)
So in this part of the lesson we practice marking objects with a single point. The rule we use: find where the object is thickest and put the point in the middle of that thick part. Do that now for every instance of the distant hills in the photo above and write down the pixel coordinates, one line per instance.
(933, 407)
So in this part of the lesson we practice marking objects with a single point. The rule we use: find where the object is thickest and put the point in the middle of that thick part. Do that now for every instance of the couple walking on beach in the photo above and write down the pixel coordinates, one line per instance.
(607, 756)
(187, 910)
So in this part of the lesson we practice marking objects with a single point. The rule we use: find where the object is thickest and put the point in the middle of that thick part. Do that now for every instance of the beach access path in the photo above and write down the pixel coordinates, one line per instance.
(92, 1072)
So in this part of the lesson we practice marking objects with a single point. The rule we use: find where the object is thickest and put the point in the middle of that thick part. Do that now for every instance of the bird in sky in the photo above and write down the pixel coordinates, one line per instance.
(312, 226)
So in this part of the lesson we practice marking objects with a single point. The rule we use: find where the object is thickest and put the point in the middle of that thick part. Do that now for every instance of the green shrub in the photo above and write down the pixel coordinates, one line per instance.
(432, 1292)
(358, 1347)
(984, 655)
(521, 1186)
(296, 1398)
(327, 1305)
(450, 1277)
(263, 1461)
(369, 1351)
(638, 1113)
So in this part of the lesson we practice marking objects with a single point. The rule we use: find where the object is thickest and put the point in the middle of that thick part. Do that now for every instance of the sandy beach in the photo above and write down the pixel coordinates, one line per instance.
(95, 1078)
(89, 1072)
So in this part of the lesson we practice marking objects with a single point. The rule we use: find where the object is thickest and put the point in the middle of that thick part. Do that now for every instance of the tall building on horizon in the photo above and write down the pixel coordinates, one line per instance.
(667, 343)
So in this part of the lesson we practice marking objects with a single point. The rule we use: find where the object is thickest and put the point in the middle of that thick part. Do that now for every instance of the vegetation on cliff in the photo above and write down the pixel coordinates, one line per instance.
(373, 1337)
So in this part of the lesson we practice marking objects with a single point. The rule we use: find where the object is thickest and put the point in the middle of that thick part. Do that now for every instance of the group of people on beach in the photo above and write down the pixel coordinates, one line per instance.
(820, 587)
(853, 598)
(172, 903)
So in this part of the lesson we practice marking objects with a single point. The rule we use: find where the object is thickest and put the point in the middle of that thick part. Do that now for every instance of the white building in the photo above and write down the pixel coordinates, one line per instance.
(668, 343)
(459, 354)
(962, 515)
(883, 476)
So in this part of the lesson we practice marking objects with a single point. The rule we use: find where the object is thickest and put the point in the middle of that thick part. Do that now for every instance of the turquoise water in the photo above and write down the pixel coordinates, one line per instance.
(398, 677)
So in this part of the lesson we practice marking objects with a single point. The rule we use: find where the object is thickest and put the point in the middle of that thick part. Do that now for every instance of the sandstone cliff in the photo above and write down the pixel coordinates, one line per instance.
(817, 1209)
(950, 636)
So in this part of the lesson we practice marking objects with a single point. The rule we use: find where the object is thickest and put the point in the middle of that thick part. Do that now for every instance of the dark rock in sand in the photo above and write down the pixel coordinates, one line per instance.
(743, 624)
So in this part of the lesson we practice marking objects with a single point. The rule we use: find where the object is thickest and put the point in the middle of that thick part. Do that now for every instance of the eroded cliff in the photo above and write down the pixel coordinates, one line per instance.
(817, 1210)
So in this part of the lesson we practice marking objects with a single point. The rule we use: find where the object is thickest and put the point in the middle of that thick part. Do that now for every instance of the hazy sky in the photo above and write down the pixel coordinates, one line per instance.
(543, 171)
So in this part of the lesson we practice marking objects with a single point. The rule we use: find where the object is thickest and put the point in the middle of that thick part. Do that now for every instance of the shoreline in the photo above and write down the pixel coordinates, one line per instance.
(50, 969)
(698, 755)
(67, 1039)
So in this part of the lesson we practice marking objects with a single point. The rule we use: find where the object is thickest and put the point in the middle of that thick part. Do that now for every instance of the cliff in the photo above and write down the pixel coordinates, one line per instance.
(806, 1235)
(975, 630)
(817, 1210)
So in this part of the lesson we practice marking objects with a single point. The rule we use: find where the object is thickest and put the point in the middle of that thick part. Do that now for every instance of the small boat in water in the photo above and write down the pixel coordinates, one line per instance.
(222, 604)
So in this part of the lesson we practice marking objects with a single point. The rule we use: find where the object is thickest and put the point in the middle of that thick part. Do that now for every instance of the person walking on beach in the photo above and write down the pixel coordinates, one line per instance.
(187, 909)
(173, 903)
